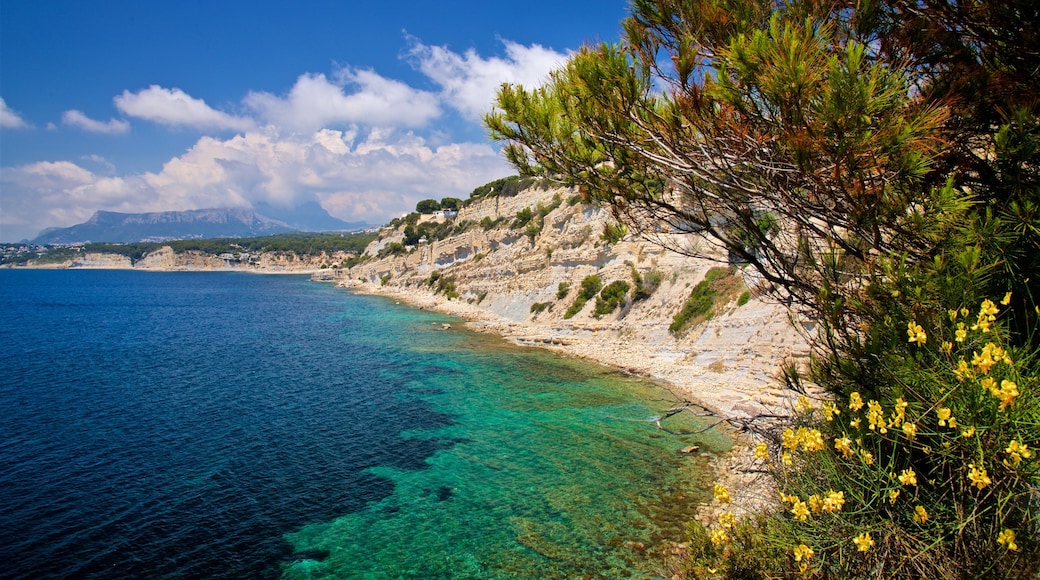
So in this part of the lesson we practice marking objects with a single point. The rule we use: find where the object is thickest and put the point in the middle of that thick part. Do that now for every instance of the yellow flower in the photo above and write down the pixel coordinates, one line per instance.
(920, 514)
(811, 439)
(786, 458)
(944, 415)
(761, 451)
(1007, 393)
(844, 446)
(727, 519)
(1007, 538)
(893, 495)
(989, 385)
(855, 402)
(978, 476)
(855, 423)
(1007, 299)
(983, 362)
(961, 333)
(814, 503)
(875, 417)
(946, 347)
(800, 511)
(1017, 452)
(963, 370)
(719, 537)
(910, 430)
(834, 501)
(867, 456)
(916, 333)
(969, 432)
(953, 315)
(965, 312)
(830, 410)
(803, 404)
(788, 498)
(790, 440)
(908, 477)
(863, 542)
(721, 493)
(989, 310)
(802, 551)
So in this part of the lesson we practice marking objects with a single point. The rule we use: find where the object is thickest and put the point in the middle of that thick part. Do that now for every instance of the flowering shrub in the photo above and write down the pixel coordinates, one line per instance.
(933, 474)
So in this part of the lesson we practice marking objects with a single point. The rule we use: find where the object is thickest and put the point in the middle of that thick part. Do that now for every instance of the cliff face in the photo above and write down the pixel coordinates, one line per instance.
(508, 280)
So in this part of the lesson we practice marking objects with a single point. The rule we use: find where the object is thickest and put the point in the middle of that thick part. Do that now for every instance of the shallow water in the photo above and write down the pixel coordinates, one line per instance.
(229, 425)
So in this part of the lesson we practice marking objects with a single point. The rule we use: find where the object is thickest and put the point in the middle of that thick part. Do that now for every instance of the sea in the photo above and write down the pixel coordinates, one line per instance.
(233, 425)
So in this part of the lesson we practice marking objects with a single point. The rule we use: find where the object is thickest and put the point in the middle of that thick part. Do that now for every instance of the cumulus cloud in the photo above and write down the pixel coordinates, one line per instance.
(9, 119)
(175, 107)
(469, 82)
(315, 102)
(78, 119)
(357, 176)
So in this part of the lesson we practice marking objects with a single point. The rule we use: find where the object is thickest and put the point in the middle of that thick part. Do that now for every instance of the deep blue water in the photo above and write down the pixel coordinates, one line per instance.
(170, 425)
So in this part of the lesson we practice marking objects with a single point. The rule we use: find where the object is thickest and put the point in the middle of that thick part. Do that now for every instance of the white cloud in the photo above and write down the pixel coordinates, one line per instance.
(315, 102)
(175, 107)
(469, 82)
(78, 119)
(9, 118)
(356, 176)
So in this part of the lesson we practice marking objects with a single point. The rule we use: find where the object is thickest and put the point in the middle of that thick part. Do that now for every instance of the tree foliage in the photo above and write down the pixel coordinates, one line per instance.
(877, 166)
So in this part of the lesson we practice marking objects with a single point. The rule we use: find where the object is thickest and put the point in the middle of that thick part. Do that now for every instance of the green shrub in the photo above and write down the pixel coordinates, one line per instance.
(744, 298)
(590, 286)
(539, 307)
(611, 298)
(643, 287)
(562, 290)
(523, 217)
(700, 305)
(613, 233)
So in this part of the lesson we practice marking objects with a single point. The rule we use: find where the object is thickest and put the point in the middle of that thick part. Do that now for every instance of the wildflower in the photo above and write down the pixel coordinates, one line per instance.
(719, 537)
(1007, 538)
(964, 312)
(803, 405)
(721, 493)
(944, 414)
(867, 456)
(802, 551)
(1007, 299)
(855, 402)
(910, 430)
(1017, 451)
(893, 495)
(978, 476)
(844, 446)
(863, 542)
(815, 504)
(834, 501)
(967, 433)
(983, 362)
(990, 310)
(875, 417)
(908, 477)
(1007, 393)
(800, 511)
(761, 451)
(788, 498)
(961, 333)
(953, 314)
(786, 458)
(830, 410)
(811, 439)
(989, 384)
(855, 423)
(790, 440)
(727, 519)
(916, 333)
(963, 370)
(981, 324)
(946, 347)
(920, 514)
(899, 414)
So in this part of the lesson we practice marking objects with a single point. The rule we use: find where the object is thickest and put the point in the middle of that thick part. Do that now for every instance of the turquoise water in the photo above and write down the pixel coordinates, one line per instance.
(231, 426)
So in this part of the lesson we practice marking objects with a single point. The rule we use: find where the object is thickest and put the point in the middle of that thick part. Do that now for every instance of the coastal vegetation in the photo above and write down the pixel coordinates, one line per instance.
(877, 167)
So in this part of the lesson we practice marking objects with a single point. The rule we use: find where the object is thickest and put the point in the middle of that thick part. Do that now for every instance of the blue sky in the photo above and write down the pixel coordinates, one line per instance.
(366, 107)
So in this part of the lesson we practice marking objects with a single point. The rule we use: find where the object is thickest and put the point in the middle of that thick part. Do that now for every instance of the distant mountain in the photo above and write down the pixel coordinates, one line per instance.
(307, 217)
(107, 226)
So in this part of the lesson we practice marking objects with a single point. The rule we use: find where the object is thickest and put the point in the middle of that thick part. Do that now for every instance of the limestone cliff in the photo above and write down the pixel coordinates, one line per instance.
(507, 278)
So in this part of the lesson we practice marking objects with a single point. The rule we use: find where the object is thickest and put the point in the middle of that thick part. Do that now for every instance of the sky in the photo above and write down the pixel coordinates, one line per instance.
(365, 107)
